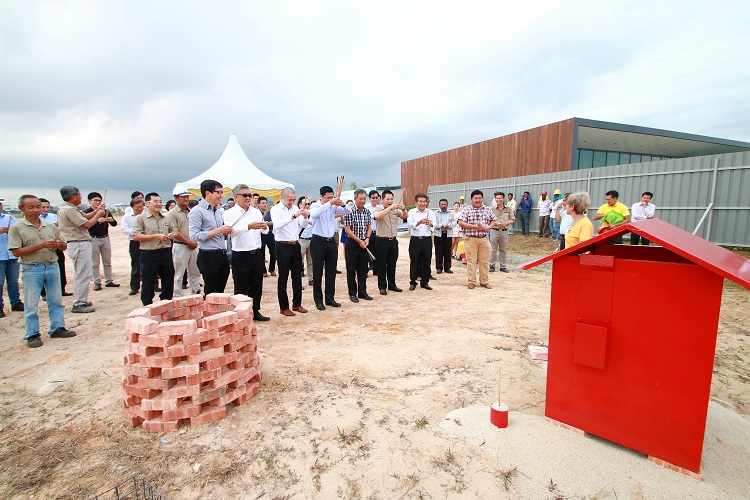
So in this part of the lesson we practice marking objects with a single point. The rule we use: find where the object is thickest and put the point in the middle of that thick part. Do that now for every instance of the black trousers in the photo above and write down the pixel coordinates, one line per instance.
(387, 257)
(268, 241)
(289, 259)
(420, 253)
(442, 251)
(63, 278)
(247, 273)
(635, 239)
(375, 264)
(134, 248)
(324, 255)
(356, 267)
(214, 267)
(157, 263)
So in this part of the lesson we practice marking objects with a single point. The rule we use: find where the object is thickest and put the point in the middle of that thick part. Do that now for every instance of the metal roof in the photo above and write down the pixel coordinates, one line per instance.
(719, 260)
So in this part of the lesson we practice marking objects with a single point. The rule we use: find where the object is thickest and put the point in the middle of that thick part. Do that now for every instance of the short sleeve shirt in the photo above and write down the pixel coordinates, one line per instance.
(620, 208)
(70, 219)
(147, 224)
(482, 215)
(389, 223)
(358, 220)
(578, 232)
(180, 220)
(25, 234)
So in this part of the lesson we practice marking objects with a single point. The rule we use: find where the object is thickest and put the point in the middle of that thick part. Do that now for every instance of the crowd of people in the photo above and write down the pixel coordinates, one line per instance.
(195, 245)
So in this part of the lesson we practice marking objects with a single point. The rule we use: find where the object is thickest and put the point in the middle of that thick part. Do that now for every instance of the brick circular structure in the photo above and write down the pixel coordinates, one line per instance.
(186, 359)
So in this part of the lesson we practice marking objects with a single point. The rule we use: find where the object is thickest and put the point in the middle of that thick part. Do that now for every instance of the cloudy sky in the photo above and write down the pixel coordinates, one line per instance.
(131, 95)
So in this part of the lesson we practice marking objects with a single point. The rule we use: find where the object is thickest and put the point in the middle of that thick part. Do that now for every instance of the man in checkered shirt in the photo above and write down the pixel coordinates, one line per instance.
(358, 227)
(477, 219)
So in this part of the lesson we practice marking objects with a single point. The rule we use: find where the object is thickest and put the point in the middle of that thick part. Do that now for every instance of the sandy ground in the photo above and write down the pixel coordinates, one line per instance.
(381, 399)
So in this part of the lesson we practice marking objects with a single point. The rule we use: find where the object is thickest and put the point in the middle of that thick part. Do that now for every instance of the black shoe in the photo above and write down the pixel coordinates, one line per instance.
(440, 271)
(157, 289)
(338, 272)
(449, 271)
(62, 333)
(320, 306)
(432, 278)
(365, 296)
(504, 270)
(395, 289)
(412, 287)
(97, 288)
(353, 298)
(426, 286)
(67, 294)
(17, 307)
(184, 287)
(112, 284)
(332, 303)
(35, 341)
(383, 291)
(132, 292)
(259, 317)
(492, 268)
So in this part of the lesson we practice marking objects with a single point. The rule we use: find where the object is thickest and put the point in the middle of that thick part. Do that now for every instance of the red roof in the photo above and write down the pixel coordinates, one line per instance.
(693, 248)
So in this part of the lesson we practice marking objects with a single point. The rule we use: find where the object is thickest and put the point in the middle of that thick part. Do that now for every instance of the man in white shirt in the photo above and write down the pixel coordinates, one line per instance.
(323, 245)
(247, 259)
(288, 221)
(445, 221)
(545, 209)
(642, 211)
(374, 202)
(421, 221)
(511, 204)
(137, 205)
(304, 243)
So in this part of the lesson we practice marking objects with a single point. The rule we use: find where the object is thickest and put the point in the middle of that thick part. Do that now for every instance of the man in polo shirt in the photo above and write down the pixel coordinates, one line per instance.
(499, 234)
(74, 225)
(8, 265)
(52, 219)
(101, 247)
(287, 222)
(358, 229)
(323, 245)
(545, 209)
(34, 242)
(388, 215)
(184, 251)
(613, 213)
(154, 231)
(477, 220)
(373, 203)
(208, 230)
(445, 221)
(421, 222)
(247, 257)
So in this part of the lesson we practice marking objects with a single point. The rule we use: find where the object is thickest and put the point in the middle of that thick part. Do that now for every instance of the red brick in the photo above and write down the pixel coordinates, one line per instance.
(207, 395)
(129, 379)
(237, 326)
(131, 419)
(141, 370)
(203, 376)
(218, 298)
(134, 390)
(218, 320)
(181, 327)
(160, 360)
(209, 414)
(243, 361)
(186, 410)
(160, 307)
(195, 316)
(200, 335)
(227, 376)
(131, 336)
(181, 390)
(205, 355)
(179, 350)
(131, 401)
(243, 341)
(676, 468)
(156, 341)
(239, 298)
(141, 325)
(158, 425)
(244, 309)
(145, 415)
(180, 370)
(131, 358)
(244, 377)
(230, 396)
(224, 339)
(193, 300)
(160, 404)
(141, 311)
(143, 350)
(250, 391)
(220, 362)
(158, 384)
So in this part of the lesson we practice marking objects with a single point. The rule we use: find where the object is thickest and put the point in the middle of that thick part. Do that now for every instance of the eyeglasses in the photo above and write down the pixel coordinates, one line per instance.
(220, 191)
(246, 195)
(307, 204)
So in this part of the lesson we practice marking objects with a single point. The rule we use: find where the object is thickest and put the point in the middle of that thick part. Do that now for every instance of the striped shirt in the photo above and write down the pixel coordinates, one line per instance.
(358, 220)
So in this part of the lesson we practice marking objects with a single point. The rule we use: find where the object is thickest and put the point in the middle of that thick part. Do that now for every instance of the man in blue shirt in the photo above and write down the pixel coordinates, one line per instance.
(525, 213)
(209, 231)
(8, 264)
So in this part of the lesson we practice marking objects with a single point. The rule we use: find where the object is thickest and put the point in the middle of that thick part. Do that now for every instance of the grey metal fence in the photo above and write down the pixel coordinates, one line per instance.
(708, 195)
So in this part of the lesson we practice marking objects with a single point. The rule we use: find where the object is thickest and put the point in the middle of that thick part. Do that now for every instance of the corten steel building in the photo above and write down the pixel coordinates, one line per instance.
(572, 144)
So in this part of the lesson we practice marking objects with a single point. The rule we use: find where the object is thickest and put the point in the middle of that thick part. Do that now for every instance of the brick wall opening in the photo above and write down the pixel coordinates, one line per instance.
(186, 359)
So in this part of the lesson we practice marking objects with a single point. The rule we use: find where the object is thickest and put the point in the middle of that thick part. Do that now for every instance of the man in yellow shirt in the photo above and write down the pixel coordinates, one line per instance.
(613, 213)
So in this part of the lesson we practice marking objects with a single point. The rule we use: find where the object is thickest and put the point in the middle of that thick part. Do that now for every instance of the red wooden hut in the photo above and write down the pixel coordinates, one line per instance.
(632, 338)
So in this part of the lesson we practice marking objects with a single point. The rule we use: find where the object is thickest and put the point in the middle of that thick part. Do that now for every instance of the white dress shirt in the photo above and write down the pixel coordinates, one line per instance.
(324, 218)
(371, 209)
(423, 229)
(639, 212)
(244, 239)
(286, 227)
(127, 225)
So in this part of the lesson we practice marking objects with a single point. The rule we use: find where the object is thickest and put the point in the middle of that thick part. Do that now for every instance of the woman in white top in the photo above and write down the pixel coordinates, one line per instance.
(458, 232)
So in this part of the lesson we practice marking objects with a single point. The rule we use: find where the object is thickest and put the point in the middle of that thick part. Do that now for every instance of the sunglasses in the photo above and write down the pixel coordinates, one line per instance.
(246, 195)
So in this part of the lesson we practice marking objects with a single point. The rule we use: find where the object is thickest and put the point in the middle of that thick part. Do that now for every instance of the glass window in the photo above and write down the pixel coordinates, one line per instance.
(655, 157)
(585, 158)
(624, 158)
(645, 158)
(634, 158)
(600, 158)
(613, 158)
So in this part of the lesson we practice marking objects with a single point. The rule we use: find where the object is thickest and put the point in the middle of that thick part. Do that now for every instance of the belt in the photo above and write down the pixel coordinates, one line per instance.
(251, 252)
(157, 250)
(101, 237)
(498, 229)
(472, 236)
(386, 238)
(322, 237)
(180, 242)
(79, 241)
(304, 238)
(287, 242)
(214, 251)
(421, 237)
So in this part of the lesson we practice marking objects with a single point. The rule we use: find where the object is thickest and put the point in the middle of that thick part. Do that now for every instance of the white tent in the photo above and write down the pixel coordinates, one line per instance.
(234, 167)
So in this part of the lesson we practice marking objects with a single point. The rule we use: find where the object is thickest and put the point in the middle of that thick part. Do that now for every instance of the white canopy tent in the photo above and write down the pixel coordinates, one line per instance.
(232, 168)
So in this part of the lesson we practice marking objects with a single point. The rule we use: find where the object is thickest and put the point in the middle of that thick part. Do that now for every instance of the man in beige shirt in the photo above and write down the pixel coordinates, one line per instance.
(155, 231)
(35, 243)
(499, 234)
(388, 215)
(184, 251)
(74, 225)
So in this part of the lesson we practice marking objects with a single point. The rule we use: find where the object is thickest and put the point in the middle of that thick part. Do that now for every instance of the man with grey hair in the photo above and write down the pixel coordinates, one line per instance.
(288, 221)
(184, 250)
(74, 225)
(247, 257)
(358, 227)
